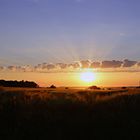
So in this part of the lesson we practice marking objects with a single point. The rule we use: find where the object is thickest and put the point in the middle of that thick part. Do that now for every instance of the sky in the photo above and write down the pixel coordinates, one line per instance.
(48, 36)
(37, 31)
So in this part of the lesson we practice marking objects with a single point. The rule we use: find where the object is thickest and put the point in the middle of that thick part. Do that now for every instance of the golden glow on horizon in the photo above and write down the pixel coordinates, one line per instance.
(88, 76)
(106, 79)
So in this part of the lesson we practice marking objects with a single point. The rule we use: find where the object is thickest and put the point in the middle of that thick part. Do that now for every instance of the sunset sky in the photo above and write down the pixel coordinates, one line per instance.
(34, 32)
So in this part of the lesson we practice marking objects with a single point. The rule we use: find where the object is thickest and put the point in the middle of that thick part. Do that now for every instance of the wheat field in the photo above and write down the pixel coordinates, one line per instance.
(68, 113)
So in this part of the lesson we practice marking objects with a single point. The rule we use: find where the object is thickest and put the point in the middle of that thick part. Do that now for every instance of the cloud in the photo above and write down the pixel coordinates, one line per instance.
(1, 68)
(50, 66)
(85, 63)
(95, 65)
(44, 66)
(129, 63)
(125, 65)
(75, 65)
(25, 68)
(62, 65)
(12, 68)
(111, 64)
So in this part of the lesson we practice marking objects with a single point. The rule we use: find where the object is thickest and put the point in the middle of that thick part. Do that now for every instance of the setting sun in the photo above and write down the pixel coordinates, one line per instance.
(88, 76)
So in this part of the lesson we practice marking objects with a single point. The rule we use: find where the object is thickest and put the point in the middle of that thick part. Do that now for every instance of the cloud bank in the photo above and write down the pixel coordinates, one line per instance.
(106, 65)
(111, 64)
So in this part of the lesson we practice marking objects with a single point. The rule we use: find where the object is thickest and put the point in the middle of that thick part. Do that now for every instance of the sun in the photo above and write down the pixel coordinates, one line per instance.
(87, 76)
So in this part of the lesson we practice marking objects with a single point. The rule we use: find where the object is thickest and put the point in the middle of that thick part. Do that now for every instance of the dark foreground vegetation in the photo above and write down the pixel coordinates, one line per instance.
(69, 114)
(18, 84)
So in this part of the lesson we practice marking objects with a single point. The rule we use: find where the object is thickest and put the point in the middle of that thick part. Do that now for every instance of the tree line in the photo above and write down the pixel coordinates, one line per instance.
(29, 84)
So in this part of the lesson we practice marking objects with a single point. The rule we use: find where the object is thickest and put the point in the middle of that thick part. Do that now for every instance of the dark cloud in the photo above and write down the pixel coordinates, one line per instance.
(85, 63)
(62, 65)
(26, 68)
(138, 63)
(50, 66)
(20, 68)
(39, 67)
(95, 65)
(129, 63)
(12, 68)
(111, 64)
(1, 67)
(44, 67)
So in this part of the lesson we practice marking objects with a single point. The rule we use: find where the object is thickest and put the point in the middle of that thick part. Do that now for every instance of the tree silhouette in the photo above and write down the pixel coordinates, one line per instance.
(29, 84)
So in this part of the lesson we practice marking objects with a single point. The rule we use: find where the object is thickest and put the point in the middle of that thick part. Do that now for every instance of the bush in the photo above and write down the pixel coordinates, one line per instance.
(22, 83)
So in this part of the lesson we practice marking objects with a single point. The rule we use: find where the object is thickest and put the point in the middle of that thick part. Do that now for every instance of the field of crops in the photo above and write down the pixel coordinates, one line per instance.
(61, 113)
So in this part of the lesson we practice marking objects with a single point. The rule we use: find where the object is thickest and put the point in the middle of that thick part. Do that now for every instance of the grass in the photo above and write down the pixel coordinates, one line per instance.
(69, 113)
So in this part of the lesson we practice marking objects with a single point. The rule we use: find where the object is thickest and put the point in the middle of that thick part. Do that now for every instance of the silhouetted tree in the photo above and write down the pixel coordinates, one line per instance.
(94, 87)
(52, 86)
(15, 83)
